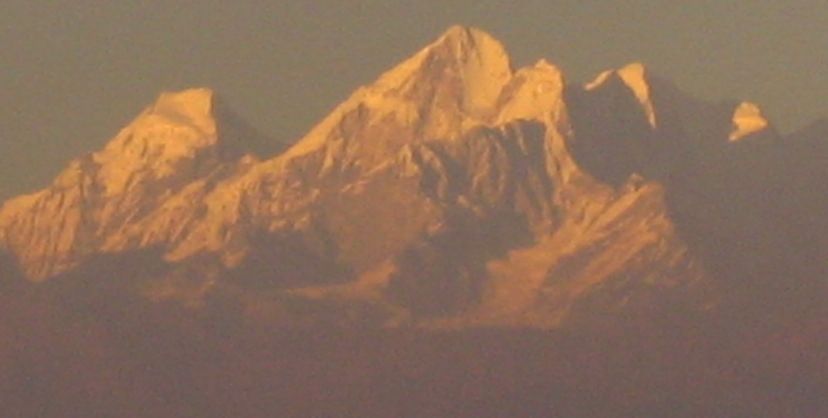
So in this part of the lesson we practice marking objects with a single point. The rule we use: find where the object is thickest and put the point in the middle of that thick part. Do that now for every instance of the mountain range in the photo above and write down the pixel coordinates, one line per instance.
(458, 238)
(453, 191)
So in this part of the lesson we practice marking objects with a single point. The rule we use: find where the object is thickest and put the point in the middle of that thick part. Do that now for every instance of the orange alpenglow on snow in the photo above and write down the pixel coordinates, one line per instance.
(454, 190)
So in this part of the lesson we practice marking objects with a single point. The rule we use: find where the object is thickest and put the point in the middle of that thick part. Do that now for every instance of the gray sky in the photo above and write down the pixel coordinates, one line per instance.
(73, 72)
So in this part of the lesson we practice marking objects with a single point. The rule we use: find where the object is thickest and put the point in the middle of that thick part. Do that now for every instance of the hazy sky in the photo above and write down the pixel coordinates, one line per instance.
(72, 72)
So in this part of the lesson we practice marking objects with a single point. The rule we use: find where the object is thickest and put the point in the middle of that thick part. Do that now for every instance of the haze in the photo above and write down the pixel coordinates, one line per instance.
(75, 72)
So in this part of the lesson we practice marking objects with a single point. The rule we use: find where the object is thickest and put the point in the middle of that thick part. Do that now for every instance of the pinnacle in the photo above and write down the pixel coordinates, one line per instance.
(463, 33)
(635, 76)
(635, 67)
(461, 55)
(543, 64)
(635, 73)
(463, 41)
(747, 119)
(174, 127)
(194, 93)
(189, 102)
(194, 107)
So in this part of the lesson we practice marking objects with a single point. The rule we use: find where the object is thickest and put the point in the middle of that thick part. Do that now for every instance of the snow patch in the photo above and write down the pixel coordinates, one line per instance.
(634, 77)
(747, 120)
(453, 83)
(175, 128)
(537, 94)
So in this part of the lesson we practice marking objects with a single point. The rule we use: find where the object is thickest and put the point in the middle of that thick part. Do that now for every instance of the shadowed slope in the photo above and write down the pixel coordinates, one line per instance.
(451, 191)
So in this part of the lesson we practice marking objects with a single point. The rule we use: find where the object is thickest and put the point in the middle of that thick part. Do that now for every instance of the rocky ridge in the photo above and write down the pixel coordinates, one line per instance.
(454, 190)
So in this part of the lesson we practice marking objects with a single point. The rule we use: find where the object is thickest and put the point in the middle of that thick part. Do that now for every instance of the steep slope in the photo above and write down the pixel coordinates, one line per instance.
(414, 224)
(98, 198)
(453, 190)
(446, 88)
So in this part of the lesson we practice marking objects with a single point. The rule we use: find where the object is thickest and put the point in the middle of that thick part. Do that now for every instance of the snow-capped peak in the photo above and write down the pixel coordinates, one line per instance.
(747, 119)
(451, 84)
(179, 126)
(462, 57)
(634, 76)
(193, 106)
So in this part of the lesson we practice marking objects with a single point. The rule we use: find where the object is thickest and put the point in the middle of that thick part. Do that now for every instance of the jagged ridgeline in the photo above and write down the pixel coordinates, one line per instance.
(453, 191)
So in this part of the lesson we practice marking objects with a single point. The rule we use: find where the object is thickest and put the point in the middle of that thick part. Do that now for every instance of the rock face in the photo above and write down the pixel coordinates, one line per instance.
(95, 203)
(452, 191)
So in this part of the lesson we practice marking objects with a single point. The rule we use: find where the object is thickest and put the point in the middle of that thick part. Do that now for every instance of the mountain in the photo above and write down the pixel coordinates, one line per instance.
(453, 191)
